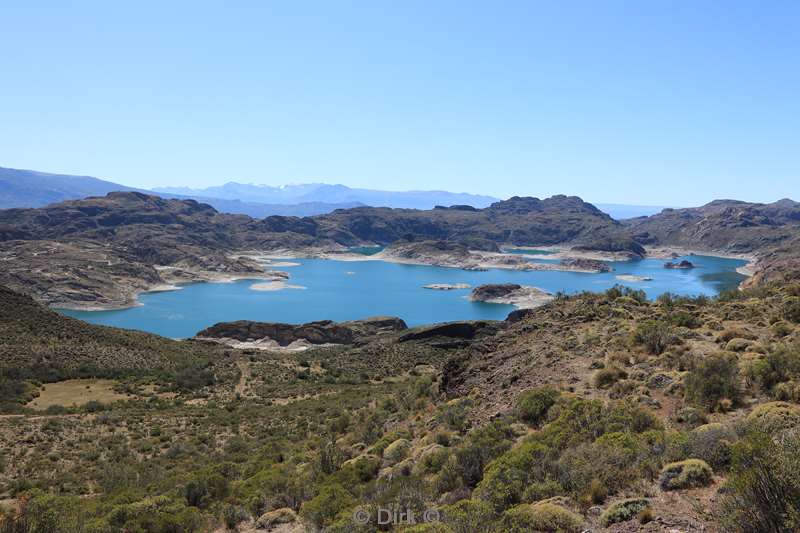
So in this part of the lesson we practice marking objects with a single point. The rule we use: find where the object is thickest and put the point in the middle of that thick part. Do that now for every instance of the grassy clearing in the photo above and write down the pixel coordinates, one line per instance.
(77, 392)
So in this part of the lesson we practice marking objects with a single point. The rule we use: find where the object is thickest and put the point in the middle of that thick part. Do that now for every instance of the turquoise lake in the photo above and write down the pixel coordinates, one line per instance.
(340, 290)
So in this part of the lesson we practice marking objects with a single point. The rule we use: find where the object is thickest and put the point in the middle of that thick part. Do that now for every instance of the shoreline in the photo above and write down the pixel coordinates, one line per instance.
(133, 301)
(480, 260)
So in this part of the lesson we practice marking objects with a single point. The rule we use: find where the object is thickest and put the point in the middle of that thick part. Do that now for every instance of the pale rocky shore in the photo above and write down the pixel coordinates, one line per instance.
(633, 279)
(275, 285)
(447, 286)
(127, 292)
(456, 257)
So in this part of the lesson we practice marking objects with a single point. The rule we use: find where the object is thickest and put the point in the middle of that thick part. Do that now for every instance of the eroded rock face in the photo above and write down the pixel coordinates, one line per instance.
(320, 332)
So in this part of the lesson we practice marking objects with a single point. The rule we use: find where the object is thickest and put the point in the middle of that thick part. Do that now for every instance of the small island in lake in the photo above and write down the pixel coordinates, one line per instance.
(682, 265)
(521, 296)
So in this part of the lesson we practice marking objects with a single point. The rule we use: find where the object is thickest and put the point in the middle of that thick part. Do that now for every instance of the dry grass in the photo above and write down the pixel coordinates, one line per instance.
(77, 392)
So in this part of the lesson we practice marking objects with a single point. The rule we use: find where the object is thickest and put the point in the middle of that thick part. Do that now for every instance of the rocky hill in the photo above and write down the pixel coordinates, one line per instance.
(518, 221)
(723, 225)
(134, 241)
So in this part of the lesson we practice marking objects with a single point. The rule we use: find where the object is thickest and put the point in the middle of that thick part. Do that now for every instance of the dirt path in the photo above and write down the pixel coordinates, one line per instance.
(244, 369)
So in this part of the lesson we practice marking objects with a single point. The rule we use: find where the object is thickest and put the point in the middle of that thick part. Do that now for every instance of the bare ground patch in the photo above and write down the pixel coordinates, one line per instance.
(77, 392)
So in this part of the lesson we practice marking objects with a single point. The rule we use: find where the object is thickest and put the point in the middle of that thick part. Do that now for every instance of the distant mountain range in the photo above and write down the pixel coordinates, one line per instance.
(322, 192)
(29, 188)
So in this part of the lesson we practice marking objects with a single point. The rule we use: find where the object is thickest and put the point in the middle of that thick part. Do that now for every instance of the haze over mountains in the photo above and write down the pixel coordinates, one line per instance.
(322, 192)
(29, 188)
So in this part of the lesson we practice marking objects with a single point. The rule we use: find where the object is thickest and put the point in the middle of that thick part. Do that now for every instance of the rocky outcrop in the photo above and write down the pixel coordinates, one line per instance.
(680, 265)
(467, 330)
(320, 332)
(490, 292)
(586, 265)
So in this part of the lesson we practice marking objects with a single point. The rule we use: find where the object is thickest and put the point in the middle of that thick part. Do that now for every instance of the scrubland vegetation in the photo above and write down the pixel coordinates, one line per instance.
(595, 412)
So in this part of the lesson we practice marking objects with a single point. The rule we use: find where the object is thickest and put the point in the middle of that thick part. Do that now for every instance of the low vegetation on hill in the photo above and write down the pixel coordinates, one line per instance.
(598, 411)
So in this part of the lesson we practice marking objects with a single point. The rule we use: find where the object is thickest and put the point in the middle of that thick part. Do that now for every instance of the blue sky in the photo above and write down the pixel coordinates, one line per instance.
(653, 102)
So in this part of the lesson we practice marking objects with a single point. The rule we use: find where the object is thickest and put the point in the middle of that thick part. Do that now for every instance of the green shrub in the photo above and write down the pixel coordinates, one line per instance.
(775, 417)
(541, 490)
(655, 336)
(468, 516)
(506, 478)
(780, 365)
(623, 511)
(711, 443)
(532, 406)
(791, 309)
(686, 474)
(714, 379)
(781, 329)
(763, 488)
(610, 463)
(479, 447)
(545, 516)
(606, 377)
(684, 319)
(323, 509)
(361, 470)
(396, 451)
(738, 345)
(454, 414)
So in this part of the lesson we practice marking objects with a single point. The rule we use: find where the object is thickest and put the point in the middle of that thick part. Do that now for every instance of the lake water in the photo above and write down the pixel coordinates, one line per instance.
(340, 290)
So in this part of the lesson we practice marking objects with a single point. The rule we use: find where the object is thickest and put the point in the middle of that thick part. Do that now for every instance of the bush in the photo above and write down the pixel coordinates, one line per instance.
(533, 405)
(775, 417)
(763, 488)
(396, 451)
(506, 478)
(479, 448)
(686, 474)
(714, 379)
(609, 464)
(606, 377)
(711, 443)
(655, 336)
(684, 319)
(780, 365)
(468, 516)
(791, 309)
(541, 490)
(323, 509)
(623, 511)
(544, 516)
